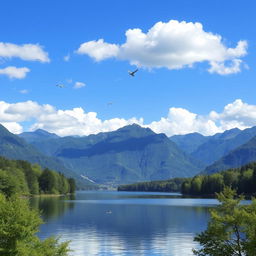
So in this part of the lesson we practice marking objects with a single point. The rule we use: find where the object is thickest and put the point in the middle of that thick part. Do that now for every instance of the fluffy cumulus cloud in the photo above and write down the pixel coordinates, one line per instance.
(236, 114)
(77, 121)
(31, 52)
(13, 127)
(13, 72)
(173, 45)
(181, 121)
(26, 52)
(99, 50)
(62, 122)
(79, 85)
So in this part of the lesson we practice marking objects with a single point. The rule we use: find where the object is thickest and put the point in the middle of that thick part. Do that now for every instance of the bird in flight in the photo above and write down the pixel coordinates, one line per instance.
(132, 73)
(60, 85)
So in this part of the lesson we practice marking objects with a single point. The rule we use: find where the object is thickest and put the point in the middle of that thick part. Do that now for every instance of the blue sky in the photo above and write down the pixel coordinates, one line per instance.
(59, 28)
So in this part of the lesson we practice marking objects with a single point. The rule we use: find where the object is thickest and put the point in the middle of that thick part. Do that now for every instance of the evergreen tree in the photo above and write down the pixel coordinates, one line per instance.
(231, 230)
(48, 182)
(72, 185)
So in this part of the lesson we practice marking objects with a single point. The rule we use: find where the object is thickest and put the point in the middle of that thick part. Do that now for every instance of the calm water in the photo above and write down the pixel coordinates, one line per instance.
(125, 223)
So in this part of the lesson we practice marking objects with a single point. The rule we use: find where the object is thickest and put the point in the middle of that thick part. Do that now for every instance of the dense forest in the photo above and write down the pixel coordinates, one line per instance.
(23, 178)
(242, 179)
(19, 222)
(172, 185)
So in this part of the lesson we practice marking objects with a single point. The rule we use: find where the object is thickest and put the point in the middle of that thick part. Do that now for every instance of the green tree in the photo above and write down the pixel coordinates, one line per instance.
(196, 185)
(231, 230)
(231, 178)
(18, 226)
(72, 185)
(245, 182)
(254, 180)
(48, 182)
(9, 185)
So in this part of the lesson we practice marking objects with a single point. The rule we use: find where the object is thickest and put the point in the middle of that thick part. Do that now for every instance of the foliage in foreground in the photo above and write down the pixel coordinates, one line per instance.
(231, 230)
(18, 226)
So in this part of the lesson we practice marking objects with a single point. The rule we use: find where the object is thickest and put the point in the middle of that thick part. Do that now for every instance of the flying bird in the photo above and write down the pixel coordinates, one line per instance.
(60, 85)
(132, 73)
(110, 103)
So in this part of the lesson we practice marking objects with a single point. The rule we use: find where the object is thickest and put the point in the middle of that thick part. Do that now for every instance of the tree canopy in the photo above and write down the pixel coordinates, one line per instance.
(242, 179)
(18, 226)
(21, 177)
(231, 230)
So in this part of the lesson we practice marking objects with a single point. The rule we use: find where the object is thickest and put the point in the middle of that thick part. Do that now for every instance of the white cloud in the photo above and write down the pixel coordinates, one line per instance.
(62, 122)
(23, 111)
(31, 52)
(98, 50)
(14, 72)
(79, 85)
(181, 121)
(221, 69)
(173, 45)
(236, 114)
(24, 91)
(13, 127)
(78, 122)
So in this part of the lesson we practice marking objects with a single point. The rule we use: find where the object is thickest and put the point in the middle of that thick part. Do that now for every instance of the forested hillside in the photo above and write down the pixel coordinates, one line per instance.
(242, 179)
(21, 177)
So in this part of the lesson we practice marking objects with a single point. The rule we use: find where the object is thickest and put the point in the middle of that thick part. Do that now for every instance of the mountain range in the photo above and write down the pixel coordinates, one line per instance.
(15, 147)
(209, 149)
(238, 157)
(131, 154)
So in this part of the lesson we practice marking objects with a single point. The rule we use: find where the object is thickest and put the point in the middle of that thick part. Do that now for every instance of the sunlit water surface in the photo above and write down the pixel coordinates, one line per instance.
(125, 223)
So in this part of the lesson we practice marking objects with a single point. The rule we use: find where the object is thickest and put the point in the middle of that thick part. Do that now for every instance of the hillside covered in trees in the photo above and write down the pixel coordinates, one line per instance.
(21, 177)
(242, 179)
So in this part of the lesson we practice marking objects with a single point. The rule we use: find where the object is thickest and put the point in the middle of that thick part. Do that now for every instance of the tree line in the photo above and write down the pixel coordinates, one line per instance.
(172, 185)
(242, 180)
(23, 178)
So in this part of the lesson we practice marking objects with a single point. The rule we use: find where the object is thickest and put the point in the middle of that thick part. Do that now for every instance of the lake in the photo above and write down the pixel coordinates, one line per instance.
(125, 223)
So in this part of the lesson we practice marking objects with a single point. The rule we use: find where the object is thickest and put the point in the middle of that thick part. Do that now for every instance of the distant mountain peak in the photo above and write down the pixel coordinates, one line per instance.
(43, 132)
(37, 135)
(133, 126)
(135, 130)
(228, 134)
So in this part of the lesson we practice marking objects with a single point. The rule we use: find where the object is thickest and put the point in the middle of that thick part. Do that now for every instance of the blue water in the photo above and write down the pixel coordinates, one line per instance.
(125, 223)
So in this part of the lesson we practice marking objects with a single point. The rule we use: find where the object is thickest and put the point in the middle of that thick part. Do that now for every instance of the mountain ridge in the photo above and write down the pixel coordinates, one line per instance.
(128, 154)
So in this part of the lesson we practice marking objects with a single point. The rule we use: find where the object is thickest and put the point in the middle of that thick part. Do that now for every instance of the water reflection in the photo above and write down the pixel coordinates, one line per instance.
(52, 207)
(128, 224)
